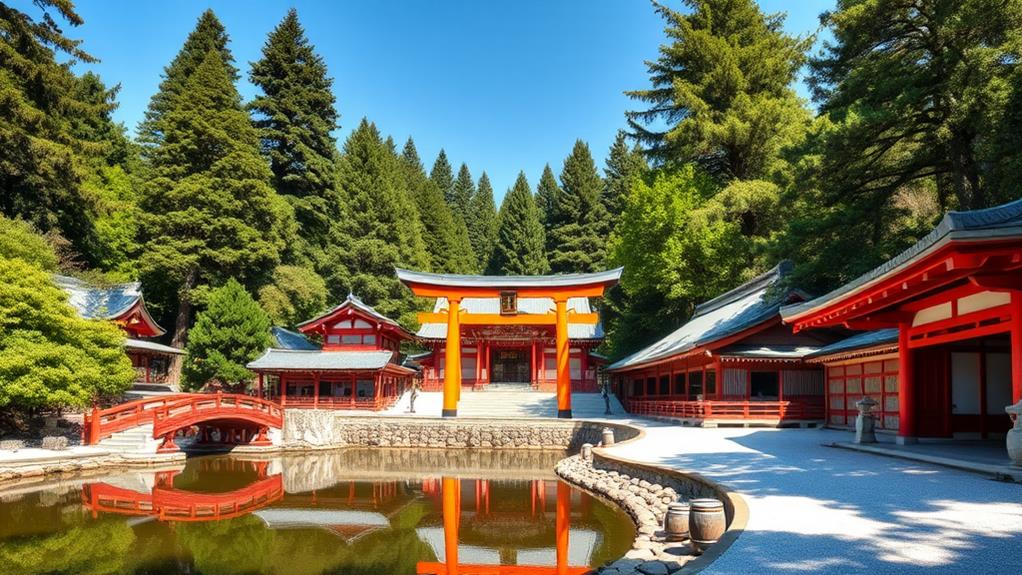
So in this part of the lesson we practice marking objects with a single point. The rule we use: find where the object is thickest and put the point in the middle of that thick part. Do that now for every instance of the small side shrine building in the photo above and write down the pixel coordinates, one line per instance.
(357, 366)
(950, 359)
(732, 362)
(124, 305)
(536, 331)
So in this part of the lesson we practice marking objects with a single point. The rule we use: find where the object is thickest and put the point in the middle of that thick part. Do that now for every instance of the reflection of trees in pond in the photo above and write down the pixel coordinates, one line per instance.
(617, 531)
(81, 547)
(232, 546)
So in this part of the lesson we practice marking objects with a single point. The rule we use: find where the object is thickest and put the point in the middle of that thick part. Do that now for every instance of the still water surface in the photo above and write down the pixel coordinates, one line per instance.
(351, 512)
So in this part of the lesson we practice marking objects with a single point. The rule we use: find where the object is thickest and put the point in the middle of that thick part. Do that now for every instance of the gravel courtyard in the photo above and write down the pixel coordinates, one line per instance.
(827, 510)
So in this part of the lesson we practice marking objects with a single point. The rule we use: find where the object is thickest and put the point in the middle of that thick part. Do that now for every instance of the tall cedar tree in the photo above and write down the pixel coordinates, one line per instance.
(439, 233)
(519, 249)
(624, 164)
(722, 86)
(209, 34)
(464, 189)
(229, 332)
(546, 197)
(47, 145)
(443, 177)
(579, 224)
(381, 228)
(483, 231)
(295, 115)
(917, 90)
(210, 211)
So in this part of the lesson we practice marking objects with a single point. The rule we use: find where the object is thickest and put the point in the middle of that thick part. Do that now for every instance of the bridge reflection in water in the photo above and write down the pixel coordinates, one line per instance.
(455, 524)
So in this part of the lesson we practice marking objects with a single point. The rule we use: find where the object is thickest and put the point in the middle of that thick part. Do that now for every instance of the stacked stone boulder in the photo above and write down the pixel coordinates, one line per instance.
(644, 496)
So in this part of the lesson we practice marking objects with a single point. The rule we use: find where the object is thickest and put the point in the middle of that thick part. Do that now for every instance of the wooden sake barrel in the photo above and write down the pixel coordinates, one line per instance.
(706, 523)
(676, 522)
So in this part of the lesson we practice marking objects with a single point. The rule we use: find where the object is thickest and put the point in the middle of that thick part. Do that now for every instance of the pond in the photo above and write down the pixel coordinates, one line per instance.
(350, 512)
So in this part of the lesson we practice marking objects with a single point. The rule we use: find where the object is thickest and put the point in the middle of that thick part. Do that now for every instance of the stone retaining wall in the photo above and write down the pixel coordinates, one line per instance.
(644, 492)
(310, 428)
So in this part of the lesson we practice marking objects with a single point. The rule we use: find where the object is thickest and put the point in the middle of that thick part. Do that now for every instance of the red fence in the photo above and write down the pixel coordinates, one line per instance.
(713, 409)
(327, 402)
(102, 423)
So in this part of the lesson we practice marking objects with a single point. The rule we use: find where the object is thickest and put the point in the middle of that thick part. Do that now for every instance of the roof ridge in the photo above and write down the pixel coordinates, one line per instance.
(775, 274)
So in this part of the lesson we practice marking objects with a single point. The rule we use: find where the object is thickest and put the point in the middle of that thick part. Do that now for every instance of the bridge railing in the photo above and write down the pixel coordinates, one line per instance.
(102, 423)
(193, 409)
(176, 410)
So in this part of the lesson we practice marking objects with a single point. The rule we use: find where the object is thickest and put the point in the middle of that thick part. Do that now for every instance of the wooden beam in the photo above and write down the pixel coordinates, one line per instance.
(997, 282)
(520, 319)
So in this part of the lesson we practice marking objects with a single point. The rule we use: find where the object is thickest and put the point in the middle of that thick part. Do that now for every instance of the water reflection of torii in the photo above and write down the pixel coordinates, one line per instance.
(451, 494)
(169, 504)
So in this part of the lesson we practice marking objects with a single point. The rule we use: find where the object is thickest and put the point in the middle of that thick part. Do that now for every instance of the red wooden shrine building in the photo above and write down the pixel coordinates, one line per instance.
(358, 365)
(123, 304)
(951, 359)
(536, 331)
(733, 362)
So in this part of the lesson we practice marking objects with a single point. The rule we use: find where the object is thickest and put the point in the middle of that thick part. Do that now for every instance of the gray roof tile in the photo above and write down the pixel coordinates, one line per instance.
(291, 359)
(858, 341)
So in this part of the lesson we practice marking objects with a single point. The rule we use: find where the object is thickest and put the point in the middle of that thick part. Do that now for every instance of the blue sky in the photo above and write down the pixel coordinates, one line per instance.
(502, 86)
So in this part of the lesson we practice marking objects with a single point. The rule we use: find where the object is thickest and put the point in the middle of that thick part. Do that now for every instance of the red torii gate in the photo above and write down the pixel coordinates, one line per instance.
(455, 288)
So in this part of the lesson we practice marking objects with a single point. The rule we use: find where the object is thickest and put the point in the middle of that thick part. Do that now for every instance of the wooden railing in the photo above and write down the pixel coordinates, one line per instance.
(172, 412)
(171, 504)
(801, 409)
(327, 402)
(205, 407)
(102, 423)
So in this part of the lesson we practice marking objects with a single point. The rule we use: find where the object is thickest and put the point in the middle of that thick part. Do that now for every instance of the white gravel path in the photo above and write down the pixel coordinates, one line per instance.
(819, 509)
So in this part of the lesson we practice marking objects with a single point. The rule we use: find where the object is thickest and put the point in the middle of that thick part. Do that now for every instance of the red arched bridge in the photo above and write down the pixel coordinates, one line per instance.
(232, 418)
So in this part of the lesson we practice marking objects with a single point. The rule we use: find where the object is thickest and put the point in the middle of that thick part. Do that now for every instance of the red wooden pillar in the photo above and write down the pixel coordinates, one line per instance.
(906, 388)
(378, 378)
(148, 375)
(315, 389)
(585, 366)
(487, 377)
(534, 377)
(260, 390)
(283, 389)
(1016, 346)
(479, 362)
(351, 398)
(562, 526)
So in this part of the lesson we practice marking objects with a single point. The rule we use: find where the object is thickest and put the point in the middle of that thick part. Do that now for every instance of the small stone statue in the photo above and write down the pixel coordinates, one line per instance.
(605, 390)
(1014, 436)
(413, 395)
(865, 423)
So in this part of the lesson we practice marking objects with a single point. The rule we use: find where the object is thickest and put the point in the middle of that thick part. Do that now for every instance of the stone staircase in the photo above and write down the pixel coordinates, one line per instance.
(136, 440)
(517, 404)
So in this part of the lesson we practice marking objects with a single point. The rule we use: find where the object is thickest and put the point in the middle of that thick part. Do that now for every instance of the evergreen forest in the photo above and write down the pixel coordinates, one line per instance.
(236, 215)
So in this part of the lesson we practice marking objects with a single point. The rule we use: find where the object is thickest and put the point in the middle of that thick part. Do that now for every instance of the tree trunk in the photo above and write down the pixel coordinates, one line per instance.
(182, 322)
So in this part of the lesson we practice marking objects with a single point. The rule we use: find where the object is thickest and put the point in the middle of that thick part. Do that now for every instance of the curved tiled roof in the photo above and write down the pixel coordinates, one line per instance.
(497, 282)
(106, 303)
(880, 337)
(744, 307)
(976, 225)
(287, 339)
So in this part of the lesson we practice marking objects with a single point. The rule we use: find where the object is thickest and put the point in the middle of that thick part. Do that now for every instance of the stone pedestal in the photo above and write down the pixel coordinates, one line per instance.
(1014, 437)
(587, 452)
(865, 422)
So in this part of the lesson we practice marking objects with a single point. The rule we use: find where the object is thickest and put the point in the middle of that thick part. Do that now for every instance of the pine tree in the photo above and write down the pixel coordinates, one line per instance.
(579, 224)
(381, 229)
(295, 115)
(231, 331)
(45, 152)
(483, 232)
(439, 233)
(464, 189)
(209, 34)
(546, 196)
(722, 86)
(623, 165)
(210, 211)
(443, 177)
(519, 248)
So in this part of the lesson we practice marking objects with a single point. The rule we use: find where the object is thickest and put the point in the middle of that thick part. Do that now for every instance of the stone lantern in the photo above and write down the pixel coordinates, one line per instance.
(1014, 437)
(865, 422)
